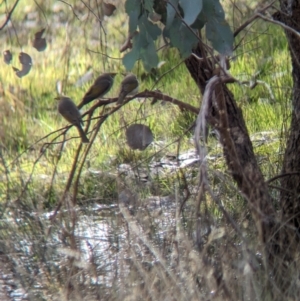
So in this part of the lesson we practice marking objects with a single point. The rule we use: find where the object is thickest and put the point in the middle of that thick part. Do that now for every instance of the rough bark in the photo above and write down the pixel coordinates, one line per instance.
(290, 182)
(237, 148)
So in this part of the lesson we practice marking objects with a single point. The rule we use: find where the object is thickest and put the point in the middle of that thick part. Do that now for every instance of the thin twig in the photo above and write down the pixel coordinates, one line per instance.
(282, 176)
(288, 28)
(103, 54)
(168, 71)
(91, 11)
(9, 15)
(69, 182)
(251, 19)
(71, 8)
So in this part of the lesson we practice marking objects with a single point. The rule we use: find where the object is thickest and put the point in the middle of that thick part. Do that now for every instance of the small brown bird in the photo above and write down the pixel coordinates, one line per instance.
(99, 88)
(129, 86)
(67, 108)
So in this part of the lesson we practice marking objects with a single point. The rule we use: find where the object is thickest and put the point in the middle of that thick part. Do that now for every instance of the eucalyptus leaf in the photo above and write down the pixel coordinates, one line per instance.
(139, 136)
(172, 33)
(149, 5)
(199, 22)
(218, 10)
(149, 56)
(130, 58)
(141, 40)
(131, 5)
(171, 12)
(213, 9)
(182, 38)
(166, 33)
(108, 9)
(152, 29)
(217, 29)
(143, 48)
(220, 35)
(39, 43)
(133, 20)
(7, 57)
(210, 9)
(191, 10)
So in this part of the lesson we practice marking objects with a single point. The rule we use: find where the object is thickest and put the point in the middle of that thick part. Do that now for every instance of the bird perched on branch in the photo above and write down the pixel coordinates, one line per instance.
(100, 87)
(67, 108)
(129, 85)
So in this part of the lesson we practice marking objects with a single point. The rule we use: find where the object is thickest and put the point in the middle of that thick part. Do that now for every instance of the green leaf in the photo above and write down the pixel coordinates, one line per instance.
(146, 26)
(133, 20)
(171, 12)
(131, 5)
(172, 33)
(217, 8)
(149, 5)
(191, 9)
(199, 22)
(166, 33)
(144, 49)
(149, 56)
(220, 35)
(133, 9)
(182, 37)
(130, 58)
(141, 40)
(210, 9)
(218, 31)
(147, 50)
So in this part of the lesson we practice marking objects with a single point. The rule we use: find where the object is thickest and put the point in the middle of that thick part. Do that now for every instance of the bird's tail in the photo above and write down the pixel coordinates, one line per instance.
(84, 138)
(121, 98)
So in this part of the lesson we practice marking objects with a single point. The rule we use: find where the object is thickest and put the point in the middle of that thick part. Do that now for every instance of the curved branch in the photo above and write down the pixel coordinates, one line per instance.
(9, 15)
(251, 19)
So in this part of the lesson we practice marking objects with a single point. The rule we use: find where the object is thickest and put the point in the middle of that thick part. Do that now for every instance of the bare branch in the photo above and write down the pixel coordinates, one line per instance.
(71, 8)
(9, 15)
(251, 19)
(279, 23)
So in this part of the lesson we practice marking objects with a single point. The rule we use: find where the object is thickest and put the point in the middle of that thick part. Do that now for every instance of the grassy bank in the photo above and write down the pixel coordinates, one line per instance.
(153, 249)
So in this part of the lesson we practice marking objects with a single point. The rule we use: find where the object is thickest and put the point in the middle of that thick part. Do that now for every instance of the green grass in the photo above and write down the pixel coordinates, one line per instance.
(32, 182)
(30, 109)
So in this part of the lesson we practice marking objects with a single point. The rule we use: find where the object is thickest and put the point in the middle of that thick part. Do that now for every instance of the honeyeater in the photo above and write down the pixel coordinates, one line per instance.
(67, 108)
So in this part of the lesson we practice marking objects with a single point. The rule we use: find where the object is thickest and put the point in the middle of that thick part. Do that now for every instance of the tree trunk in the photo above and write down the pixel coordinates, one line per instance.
(225, 116)
(279, 241)
(237, 148)
(290, 182)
